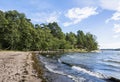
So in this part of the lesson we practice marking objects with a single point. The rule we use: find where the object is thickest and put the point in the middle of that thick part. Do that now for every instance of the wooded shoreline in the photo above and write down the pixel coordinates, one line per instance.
(17, 32)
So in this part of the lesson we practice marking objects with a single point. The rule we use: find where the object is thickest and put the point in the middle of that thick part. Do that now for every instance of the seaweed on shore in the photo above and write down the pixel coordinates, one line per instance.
(38, 67)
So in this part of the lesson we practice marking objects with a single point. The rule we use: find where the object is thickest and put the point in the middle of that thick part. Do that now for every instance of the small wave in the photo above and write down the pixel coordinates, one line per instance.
(51, 68)
(96, 74)
(54, 71)
(76, 79)
(114, 61)
(59, 61)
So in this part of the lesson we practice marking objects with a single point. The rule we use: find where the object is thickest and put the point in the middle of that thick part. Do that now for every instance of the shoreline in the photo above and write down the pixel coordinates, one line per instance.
(65, 51)
(38, 66)
(18, 66)
(49, 76)
(56, 77)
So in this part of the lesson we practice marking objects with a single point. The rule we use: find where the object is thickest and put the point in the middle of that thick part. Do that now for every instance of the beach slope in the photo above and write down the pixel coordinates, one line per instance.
(17, 67)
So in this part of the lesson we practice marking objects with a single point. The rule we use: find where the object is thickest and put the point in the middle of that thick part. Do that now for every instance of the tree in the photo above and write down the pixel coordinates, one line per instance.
(71, 37)
(80, 39)
(3, 26)
(56, 30)
(18, 33)
(64, 44)
(91, 42)
(9, 29)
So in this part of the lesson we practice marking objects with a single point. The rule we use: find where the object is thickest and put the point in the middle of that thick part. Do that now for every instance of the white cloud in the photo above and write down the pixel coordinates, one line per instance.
(67, 23)
(76, 15)
(110, 4)
(117, 28)
(104, 4)
(53, 17)
(113, 5)
(45, 17)
(115, 17)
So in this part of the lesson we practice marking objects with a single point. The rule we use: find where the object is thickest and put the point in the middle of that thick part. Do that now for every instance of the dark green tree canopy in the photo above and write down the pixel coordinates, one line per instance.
(56, 30)
(18, 33)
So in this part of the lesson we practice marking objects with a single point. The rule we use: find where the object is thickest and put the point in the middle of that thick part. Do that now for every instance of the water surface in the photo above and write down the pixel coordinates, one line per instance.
(85, 67)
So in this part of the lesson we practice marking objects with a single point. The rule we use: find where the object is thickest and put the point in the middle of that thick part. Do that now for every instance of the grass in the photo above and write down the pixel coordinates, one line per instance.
(38, 67)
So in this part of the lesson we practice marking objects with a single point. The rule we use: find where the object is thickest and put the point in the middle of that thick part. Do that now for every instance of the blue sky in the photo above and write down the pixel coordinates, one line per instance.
(100, 17)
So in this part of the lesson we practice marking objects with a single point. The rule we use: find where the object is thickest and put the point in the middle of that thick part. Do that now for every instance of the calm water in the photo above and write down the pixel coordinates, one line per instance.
(86, 67)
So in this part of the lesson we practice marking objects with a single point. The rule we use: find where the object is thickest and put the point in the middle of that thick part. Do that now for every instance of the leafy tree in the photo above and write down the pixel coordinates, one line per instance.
(56, 30)
(64, 44)
(3, 25)
(18, 33)
(71, 37)
(9, 30)
(80, 39)
(91, 42)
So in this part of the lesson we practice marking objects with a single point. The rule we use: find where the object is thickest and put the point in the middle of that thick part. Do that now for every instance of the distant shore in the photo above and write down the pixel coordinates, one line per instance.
(64, 51)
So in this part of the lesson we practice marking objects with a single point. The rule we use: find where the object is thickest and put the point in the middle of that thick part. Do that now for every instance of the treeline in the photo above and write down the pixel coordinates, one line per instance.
(18, 33)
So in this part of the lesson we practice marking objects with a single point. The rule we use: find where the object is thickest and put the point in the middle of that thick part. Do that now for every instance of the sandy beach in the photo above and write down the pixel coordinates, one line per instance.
(17, 67)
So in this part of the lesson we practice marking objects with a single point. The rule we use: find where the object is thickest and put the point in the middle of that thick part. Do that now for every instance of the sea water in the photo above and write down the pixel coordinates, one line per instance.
(85, 67)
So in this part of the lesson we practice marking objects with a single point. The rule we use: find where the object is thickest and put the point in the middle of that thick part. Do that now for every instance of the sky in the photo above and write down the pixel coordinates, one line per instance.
(99, 17)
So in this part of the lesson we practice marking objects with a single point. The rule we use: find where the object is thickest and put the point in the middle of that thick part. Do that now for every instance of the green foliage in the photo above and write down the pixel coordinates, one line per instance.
(18, 33)
(72, 39)
(91, 43)
(86, 41)
(81, 39)
(56, 30)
